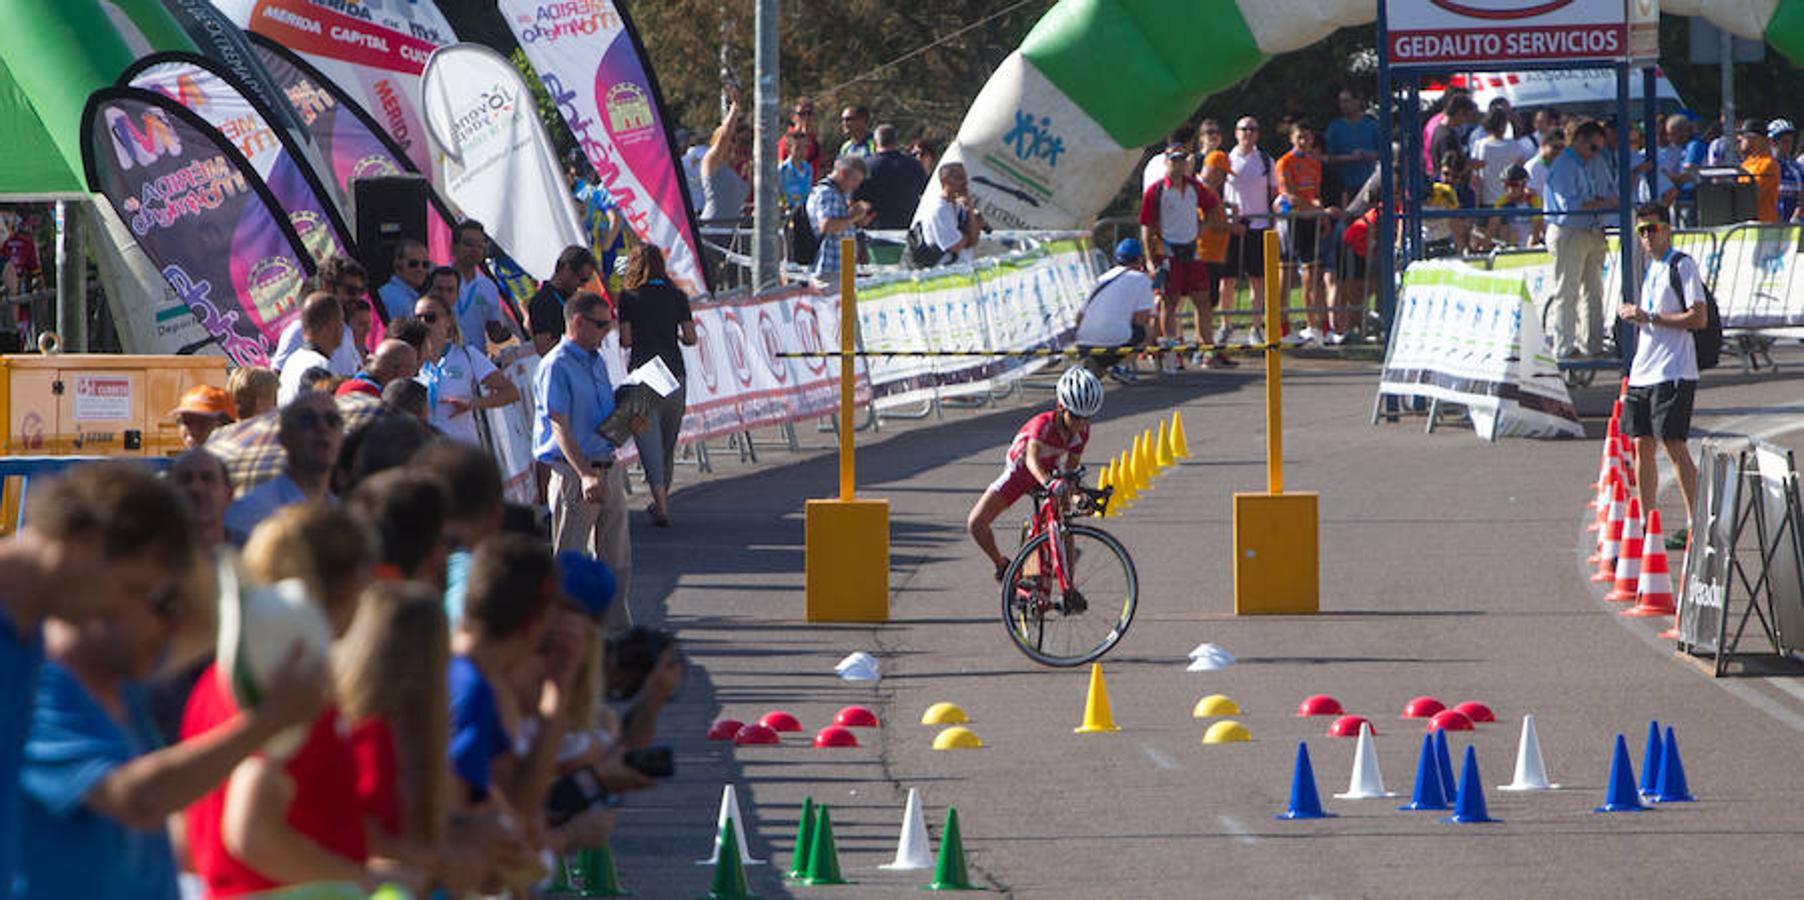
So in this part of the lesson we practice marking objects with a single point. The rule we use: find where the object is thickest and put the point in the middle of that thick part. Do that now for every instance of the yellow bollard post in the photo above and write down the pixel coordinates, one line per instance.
(846, 540)
(1276, 548)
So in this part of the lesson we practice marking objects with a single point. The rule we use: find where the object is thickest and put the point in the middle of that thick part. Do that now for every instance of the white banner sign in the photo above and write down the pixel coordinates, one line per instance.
(1480, 33)
(1474, 338)
(498, 164)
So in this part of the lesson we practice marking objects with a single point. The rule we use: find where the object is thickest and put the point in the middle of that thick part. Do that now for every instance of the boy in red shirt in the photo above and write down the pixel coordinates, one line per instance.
(1034, 455)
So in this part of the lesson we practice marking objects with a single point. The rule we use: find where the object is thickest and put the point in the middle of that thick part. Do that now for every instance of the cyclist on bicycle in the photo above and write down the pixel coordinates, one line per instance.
(1034, 455)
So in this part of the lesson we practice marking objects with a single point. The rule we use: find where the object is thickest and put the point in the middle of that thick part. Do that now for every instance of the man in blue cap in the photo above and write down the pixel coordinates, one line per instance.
(1118, 313)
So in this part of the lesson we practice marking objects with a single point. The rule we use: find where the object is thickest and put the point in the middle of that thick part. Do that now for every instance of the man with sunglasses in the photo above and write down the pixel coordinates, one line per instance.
(545, 311)
(801, 131)
(1663, 378)
(310, 430)
(1575, 237)
(478, 303)
(574, 396)
(409, 281)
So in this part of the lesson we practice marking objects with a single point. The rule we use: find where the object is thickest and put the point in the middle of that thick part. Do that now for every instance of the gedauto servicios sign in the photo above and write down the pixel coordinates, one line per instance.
(1444, 33)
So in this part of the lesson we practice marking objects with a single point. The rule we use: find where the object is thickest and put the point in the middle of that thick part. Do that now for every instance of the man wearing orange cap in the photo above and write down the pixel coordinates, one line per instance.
(203, 409)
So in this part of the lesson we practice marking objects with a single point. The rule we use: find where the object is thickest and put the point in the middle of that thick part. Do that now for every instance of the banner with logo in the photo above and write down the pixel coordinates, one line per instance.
(588, 56)
(1474, 338)
(1019, 302)
(498, 163)
(224, 43)
(192, 201)
(1757, 283)
(377, 66)
(194, 82)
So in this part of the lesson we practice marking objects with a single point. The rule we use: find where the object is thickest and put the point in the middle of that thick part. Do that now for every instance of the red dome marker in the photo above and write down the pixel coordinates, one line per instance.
(725, 729)
(1476, 711)
(856, 717)
(1450, 720)
(778, 720)
(835, 736)
(1348, 726)
(1422, 708)
(755, 733)
(1320, 705)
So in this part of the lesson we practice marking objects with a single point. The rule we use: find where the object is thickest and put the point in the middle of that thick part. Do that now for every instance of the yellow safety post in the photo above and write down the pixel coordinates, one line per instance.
(1277, 565)
(846, 540)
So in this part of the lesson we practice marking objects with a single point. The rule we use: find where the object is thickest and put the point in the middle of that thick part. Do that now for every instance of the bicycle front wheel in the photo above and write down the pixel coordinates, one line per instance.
(1069, 628)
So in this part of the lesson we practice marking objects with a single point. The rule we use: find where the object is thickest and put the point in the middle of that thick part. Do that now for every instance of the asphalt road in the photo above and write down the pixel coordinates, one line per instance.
(1450, 567)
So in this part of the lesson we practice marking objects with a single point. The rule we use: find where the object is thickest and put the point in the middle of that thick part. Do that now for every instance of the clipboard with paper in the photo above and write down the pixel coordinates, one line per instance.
(635, 398)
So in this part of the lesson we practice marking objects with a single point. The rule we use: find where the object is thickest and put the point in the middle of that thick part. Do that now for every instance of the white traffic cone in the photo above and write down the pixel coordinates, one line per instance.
(729, 809)
(1367, 782)
(912, 849)
(1531, 772)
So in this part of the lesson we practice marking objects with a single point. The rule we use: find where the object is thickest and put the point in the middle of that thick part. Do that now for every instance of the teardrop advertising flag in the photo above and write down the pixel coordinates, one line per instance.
(224, 43)
(498, 163)
(200, 85)
(195, 205)
(589, 58)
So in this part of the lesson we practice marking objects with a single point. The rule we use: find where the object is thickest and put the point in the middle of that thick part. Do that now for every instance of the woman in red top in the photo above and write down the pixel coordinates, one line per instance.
(1035, 453)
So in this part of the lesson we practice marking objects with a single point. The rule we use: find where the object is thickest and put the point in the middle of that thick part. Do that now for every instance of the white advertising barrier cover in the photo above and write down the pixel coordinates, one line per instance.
(1503, 32)
(1757, 284)
(1474, 338)
(377, 65)
(589, 61)
(1020, 302)
(498, 164)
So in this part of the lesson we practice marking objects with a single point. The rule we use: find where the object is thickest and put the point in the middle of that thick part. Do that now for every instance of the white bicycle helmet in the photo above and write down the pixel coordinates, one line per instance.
(1080, 392)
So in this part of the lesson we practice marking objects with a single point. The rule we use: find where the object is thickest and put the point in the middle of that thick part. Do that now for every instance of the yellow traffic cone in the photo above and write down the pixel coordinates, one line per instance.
(1180, 448)
(1097, 717)
(1102, 484)
(1142, 468)
(1143, 457)
(1162, 450)
(1124, 482)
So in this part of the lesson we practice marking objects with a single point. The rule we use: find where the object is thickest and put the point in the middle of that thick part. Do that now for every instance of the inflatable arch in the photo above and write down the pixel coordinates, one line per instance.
(1060, 124)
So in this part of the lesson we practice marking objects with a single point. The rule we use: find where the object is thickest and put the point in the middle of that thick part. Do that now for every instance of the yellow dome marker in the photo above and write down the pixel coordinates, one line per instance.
(957, 737)
(1215, 705)
(944, 713)
(1227, 731)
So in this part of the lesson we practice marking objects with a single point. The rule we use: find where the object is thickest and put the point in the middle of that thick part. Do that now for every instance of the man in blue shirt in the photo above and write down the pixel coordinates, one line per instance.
(95, 539)
(574, 396)
(310, 432)
(1351, 145)
(1680, 158)
(833, 217)
(1576, 239)
(478, 304)
(409, 281)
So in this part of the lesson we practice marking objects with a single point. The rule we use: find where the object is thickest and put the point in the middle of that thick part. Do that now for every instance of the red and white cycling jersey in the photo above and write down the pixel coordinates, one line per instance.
(1044, 428)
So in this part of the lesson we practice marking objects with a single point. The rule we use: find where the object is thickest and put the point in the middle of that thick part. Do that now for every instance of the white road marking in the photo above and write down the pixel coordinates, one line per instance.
(1240, 833)
(1159, 758)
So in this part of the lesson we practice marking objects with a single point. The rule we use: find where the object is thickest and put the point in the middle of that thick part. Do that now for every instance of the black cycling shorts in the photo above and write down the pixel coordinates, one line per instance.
(1659, 410)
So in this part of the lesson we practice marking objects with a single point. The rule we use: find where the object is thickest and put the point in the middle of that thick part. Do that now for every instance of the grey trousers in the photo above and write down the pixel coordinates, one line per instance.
(598, 529)
(657, 446)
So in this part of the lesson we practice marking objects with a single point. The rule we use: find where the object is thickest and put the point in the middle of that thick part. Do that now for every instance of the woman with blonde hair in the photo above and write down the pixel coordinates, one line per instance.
(654, 320)
(329, 548)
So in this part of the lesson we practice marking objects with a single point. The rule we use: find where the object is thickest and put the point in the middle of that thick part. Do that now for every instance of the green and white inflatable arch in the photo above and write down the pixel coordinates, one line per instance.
(1058, 127)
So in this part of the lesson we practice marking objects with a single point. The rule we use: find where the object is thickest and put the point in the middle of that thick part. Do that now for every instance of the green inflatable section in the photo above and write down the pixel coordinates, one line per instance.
(32, 166)
(1132, 63)
(158, 28)
(1786, 30)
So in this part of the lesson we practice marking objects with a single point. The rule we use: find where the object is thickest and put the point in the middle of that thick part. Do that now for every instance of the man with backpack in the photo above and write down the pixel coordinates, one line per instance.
(1676, 334)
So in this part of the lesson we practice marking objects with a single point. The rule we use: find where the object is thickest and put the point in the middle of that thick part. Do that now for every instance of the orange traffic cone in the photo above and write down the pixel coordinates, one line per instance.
(1624, 455)
(1602, 505)
(1619, 499)
(1609, 545)
(1604, 463)
(1653, 592)
(1628, 562)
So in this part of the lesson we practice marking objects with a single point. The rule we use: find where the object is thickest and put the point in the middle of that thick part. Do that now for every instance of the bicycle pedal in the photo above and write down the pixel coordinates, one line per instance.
(1075, 604)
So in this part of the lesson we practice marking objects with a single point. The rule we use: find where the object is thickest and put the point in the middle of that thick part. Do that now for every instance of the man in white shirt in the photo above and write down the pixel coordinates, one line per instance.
(1663, 378)
(1542, 161)
(322, 331)
(345, 279)
(1249, 190)
(1119, 310)
(949, 221)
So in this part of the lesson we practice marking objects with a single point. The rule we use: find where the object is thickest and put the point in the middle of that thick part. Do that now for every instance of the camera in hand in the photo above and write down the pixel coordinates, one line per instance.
(652, 762)
(631, 655)
(573, 795)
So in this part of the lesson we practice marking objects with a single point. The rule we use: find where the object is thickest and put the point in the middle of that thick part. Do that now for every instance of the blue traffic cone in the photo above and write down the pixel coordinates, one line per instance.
(1305, 803)
(1621, 796)
(1444, 756)
(1427, 794)
(1470, 805)
(1650, 760)
(1672, 788)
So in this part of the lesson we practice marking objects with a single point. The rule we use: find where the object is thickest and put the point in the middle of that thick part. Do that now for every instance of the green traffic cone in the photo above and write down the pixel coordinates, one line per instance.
(563, 883)
(949, 870)
(798, 860)
(823, 856)
(729, 872)
(598, 876)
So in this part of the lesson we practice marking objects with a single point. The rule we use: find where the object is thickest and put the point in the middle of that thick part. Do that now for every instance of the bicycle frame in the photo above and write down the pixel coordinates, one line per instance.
(1051, 518)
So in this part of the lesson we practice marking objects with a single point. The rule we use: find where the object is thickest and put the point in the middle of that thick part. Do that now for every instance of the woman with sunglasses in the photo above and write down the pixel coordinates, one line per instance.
(458, 380)
(654, 319)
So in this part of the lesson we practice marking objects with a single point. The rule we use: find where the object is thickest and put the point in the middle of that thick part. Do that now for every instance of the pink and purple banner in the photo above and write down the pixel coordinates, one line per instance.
(590, 61)
(201, 213)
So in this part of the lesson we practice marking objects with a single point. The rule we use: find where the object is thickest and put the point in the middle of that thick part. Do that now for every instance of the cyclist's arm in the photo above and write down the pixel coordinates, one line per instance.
(1034, 467)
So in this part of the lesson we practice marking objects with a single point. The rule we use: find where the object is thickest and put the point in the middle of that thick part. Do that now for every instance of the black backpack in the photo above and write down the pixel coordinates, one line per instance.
(804, 244)
(1708, 339)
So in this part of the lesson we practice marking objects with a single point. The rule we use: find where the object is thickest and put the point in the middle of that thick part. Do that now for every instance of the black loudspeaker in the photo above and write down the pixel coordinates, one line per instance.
(388, 208)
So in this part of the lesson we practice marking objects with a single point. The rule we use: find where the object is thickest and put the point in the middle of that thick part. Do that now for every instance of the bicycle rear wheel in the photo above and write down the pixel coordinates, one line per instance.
(1069, 629)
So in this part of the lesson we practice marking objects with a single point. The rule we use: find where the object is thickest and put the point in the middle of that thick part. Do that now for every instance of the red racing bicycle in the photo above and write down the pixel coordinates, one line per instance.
(1069, 593)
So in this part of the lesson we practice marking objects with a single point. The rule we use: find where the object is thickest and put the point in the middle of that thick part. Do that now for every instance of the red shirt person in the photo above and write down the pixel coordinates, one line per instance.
(1172, 213)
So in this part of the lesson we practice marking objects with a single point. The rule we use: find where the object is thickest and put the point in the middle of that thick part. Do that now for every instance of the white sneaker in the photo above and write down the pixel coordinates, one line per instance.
(1333, 339)
(1309, 335)
(1256, 337)
(1223, 332)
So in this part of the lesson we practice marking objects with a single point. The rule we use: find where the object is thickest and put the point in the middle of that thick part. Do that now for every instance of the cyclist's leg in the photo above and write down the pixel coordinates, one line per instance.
(998, 497)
